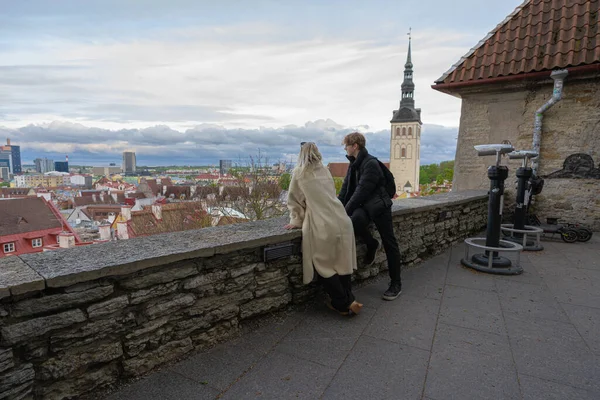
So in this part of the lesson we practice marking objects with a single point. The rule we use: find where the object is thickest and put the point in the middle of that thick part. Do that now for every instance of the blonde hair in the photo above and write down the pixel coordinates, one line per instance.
(309, 157)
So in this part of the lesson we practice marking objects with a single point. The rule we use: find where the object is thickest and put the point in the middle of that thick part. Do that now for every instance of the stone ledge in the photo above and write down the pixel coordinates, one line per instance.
(28, 272)
(16, 277)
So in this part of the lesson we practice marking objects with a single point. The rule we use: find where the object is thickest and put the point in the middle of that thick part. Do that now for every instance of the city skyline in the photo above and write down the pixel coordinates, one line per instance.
(212, 81)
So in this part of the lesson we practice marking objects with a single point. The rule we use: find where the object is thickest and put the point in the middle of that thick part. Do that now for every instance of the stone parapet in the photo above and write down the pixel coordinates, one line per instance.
(75, 320)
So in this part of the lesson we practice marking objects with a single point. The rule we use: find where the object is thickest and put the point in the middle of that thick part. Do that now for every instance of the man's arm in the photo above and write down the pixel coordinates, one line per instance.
(369, 179)
(344, 189)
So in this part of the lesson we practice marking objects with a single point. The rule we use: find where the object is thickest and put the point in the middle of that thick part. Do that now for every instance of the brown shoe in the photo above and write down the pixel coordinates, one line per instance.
(355, 307)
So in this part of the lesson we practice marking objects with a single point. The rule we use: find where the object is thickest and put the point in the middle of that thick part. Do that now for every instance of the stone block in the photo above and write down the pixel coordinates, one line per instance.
(169, 305)
(16, 277)
(85, 383)
(244, 281)
(16, 380)
(108, 307)
(146, 361)
(219, 333)
(153, 292)
(272, 287)
(243, 270)
(77, 359)
(37, 327)
(6, 359)
(92, 331)
(208, 304)
(166, 274)
(204, 279)
(59, 301)
(260, 306)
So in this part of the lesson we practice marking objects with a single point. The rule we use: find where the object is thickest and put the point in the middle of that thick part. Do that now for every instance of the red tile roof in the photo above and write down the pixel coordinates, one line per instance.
(339, 169)
(25, 219)
(540, 35)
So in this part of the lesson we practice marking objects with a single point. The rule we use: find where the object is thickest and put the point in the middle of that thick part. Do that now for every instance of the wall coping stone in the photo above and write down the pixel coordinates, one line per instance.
(32, 272)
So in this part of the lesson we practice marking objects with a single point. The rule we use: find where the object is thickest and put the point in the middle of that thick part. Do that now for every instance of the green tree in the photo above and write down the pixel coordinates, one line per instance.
(338, 184)
(284, 181)
(439, 180)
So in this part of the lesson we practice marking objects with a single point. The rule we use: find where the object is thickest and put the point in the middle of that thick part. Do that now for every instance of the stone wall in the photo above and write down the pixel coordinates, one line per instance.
(494, 113)
(75, 320)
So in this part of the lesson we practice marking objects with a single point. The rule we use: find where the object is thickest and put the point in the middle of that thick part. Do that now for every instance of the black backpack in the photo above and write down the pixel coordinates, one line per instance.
(390, 184)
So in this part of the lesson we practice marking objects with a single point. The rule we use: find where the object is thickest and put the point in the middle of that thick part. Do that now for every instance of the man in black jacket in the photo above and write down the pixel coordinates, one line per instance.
(365, 198)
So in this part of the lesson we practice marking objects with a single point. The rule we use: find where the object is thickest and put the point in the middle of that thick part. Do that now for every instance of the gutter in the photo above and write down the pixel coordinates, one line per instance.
(451, 87)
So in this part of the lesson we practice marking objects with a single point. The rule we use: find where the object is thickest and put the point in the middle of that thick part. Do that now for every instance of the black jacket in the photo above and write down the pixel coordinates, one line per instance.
(364, 186)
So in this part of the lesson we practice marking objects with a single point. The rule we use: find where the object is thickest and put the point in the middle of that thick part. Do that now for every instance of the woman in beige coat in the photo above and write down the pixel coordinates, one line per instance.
(328, 244)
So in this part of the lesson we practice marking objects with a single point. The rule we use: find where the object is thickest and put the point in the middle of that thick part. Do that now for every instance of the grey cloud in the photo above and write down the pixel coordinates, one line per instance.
(206, 144)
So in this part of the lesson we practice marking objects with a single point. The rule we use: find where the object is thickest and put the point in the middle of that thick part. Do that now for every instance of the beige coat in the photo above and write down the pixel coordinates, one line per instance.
(327, 233)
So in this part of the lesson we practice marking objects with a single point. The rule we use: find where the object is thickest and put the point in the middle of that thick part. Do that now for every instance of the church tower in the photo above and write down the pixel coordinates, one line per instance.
(405, 139)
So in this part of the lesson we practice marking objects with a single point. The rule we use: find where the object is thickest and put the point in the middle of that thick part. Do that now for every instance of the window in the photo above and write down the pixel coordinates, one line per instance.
(397, 131)
(36, 242)
(397, 151)
(409, 131)
(409, 150)
(403, 131)
(9, 247)
(403, 152)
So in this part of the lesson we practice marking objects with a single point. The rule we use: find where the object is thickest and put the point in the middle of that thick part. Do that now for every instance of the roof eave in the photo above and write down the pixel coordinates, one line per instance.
(453, 88)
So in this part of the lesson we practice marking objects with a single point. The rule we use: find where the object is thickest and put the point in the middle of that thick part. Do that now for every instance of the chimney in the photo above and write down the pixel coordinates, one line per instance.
(102, 197)
(126, 212)
(104, 231)
(66, 240)
(164, 190)
(157, 211)
(122, 232)
(94, 197)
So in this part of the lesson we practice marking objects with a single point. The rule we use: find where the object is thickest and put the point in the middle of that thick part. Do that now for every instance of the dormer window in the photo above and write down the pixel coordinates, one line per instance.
(9, 247)
(37, 242)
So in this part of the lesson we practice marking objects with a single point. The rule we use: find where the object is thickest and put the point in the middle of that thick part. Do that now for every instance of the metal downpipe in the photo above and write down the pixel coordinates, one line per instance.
(559, 77)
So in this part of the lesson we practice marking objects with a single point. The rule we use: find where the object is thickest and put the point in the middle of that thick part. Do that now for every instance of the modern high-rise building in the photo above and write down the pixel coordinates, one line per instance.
(224, 166)
(61, 166)
(129, 163)
(16, 159)
(43, 165)
(6, 158)
(405, 140)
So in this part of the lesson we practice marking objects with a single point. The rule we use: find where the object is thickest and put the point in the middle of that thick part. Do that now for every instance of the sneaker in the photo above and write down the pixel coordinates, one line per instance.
(370, 256)
(393, 291)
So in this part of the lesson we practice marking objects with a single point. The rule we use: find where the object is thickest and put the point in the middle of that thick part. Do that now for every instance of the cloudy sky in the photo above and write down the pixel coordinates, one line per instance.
(194, 81)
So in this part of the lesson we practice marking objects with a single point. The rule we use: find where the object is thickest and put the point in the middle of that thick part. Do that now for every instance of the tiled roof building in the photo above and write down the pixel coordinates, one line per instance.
(508, 93)
(540, 35)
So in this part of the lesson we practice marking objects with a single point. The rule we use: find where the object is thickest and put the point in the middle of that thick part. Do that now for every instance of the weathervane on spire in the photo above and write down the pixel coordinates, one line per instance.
(409, 33)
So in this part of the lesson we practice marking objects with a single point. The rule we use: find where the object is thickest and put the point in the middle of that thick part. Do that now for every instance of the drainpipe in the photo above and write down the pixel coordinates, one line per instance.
(559, 77)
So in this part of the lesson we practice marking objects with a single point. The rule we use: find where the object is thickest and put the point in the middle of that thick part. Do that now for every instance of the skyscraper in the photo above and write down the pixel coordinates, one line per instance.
(224, 166)
(129, 162)
(6, 157)
(43, 165)
(405, 140)
(16, 159)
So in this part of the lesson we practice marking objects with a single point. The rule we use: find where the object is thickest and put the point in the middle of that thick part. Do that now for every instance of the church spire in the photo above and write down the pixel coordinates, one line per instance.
(408, 87)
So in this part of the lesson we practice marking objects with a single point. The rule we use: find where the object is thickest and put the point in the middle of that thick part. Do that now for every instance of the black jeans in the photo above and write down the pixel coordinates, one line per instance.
(383, 222)
(339, 288)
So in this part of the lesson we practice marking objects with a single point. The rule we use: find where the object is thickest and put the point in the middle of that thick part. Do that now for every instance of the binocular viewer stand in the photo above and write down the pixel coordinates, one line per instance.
(490, 261)
(518, 232)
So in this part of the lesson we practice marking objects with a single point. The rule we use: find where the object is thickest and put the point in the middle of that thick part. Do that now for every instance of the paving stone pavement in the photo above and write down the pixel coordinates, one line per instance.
(453, 334)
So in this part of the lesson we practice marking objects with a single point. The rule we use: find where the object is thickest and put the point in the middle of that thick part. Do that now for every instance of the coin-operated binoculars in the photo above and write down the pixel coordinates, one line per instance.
(519, 231)
(490, 261)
